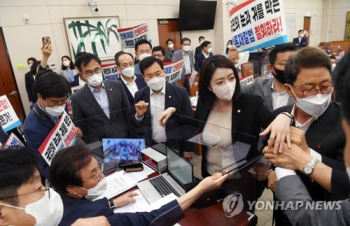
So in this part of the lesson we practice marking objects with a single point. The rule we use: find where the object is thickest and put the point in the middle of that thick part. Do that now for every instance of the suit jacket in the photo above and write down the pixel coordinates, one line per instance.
(198, 50)
(137, 69)
(291, 188)
(179, 55)
(199, 60)
(169, 54)
(262, 87)
(175, 96)
(340, 185)
(140, 83)
(82, 208)
(249, 114)
(302, 43)
(94, 123)
(76, 81)
(29, 80)
(65, 73)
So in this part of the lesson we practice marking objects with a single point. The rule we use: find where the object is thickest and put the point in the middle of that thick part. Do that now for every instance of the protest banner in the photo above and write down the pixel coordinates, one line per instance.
(173, 71)
(110, 71)
(8, 117)
(257, 24)
(130, 36)
(246, 80)
(13, 141)
(61, 136)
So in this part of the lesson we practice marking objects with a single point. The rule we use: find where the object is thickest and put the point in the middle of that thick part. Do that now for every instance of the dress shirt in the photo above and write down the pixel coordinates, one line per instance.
(205, 55)
(187, 63)
(101, 98)
(157, 102)
(278, 99)
(132, 87)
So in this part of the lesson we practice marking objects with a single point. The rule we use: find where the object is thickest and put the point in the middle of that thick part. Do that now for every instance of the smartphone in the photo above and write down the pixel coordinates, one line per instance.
(46, 40)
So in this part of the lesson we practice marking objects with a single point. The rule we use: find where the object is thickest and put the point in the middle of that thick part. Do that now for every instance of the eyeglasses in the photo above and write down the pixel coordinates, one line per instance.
(59, 103)
(314, 91)
(100, 167)
(92, 72)
(38, 191)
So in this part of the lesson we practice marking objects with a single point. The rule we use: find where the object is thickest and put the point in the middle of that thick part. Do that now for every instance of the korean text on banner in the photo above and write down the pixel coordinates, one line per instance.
(258, 23)
(173, 71)
(8, 117)
(13, 141)
(247, 80)
(61, 136)
(110, 71)
(130, 36)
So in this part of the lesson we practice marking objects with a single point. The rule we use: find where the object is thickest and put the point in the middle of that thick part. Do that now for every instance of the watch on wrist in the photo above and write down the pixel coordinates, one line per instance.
(289, 115)
(111, 204)
(307, 170)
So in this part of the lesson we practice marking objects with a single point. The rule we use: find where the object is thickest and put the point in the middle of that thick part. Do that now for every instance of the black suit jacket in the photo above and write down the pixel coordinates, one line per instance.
(76, 81)
(175, 96)
(29, 81)
(302, 43)
(199, 60)
(249, 114)
(140, 82)
(198, 50)
(94, 123)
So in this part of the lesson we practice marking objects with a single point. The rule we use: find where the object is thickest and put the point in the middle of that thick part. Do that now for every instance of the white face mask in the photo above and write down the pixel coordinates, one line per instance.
(81, 82)
(55, 111)
(210, 50)
(97, 191)
(301, 35)
(229, 46)
(46, 211)
(333, 66)
(171, 46)
(128, 72)
(186, 48)
(66, 63)
(144, 55)
(225, 92)
(30, 65)
(314, 105)
(201, 42)
(95, 80)
(156, 83)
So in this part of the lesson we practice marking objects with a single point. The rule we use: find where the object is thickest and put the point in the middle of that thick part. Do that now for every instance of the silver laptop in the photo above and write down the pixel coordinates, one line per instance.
(180, 172)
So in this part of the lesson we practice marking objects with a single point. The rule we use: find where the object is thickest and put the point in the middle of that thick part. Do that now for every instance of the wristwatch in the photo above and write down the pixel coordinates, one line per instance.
(289, 115)
(307, 170)
(111, 204)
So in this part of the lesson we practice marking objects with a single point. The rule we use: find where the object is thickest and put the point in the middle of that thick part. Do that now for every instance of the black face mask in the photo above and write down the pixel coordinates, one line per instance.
(280, 76)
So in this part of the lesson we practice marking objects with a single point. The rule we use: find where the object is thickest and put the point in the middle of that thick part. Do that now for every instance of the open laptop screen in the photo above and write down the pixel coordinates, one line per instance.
(122, 150)
(179, 168)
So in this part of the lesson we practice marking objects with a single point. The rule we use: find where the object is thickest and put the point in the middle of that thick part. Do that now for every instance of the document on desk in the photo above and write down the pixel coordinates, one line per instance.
(121, 181)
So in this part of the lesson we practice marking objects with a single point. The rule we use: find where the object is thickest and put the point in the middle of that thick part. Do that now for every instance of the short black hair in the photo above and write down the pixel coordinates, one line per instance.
(142, 41)
(85, 59)
(332, 57)
(184, 40)
(32, 59)
(66, 165)
(208, 68)
(71, 64)
(158, 48)
(17, 167)
(148, 61)
(118, 54)
(280, 49)
(341, 75)
(308, 57)
(51, 84)
(300, 31)
(168, 41)
(205, 44)
(34, 67)
(200, 37)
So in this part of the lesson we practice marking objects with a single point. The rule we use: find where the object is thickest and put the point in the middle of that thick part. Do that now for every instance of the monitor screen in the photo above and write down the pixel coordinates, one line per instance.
(121, 150)
(196, 15)
(179, 168)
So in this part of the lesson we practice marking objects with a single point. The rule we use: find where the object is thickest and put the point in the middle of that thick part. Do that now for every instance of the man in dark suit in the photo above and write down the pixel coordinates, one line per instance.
(30, 80)
(101, 109)
(317, 117)
(204, 54)
(170, 51)
(157, 102)
(131, 82)
(143, 49)
(300, 41)
(199, 48)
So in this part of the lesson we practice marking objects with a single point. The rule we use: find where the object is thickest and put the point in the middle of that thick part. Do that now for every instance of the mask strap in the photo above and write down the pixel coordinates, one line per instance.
(295, 102)
(11, 206)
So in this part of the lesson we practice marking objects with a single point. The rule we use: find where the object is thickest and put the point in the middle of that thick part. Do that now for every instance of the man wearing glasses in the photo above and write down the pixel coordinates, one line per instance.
(101, 108)
(317, 130)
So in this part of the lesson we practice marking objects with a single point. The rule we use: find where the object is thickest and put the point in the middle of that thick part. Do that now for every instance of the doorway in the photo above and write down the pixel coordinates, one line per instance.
(307, 22)
(169, 28)
(8, 84)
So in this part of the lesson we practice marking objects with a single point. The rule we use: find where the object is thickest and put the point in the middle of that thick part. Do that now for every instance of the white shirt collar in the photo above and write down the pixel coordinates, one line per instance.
(205, 55)
(161, 91)
(304, 126)
(126, 82)
(92, 88)
(273, 87)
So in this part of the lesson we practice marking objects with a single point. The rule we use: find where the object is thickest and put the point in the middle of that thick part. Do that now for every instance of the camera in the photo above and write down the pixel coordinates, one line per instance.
(93, 5)
(96, 9)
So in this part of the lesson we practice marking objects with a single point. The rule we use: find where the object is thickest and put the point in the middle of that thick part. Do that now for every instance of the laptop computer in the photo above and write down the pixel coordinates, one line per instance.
(180, 172)
(122, 150)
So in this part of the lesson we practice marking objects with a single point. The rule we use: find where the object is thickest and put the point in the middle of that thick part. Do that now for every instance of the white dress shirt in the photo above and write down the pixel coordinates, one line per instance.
(187, 63)
(278, 99)
(132, 87)
(157, 103)
(101, 98)
(205, 55)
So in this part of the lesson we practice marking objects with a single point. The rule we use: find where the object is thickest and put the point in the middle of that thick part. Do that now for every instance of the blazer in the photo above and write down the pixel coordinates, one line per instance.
(179, 55)
(249, 114)
(65, 74)
(302, 43)
(94, 123)
(199, 60)
(82, 208)
(29, 81)
(291, 188)
(198, 50)
(262, 87)
(140, 83)
(169, 54)
(137, 69)
(175, 96)
(76, 81)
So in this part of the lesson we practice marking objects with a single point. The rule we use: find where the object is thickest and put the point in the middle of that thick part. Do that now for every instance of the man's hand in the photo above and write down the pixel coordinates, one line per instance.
(46, 51)
(78, 132)
(271, 180)
(141, 108)
(92, 221)
(188, 155)
(163, 118)
(125, 199)
(297, 136)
